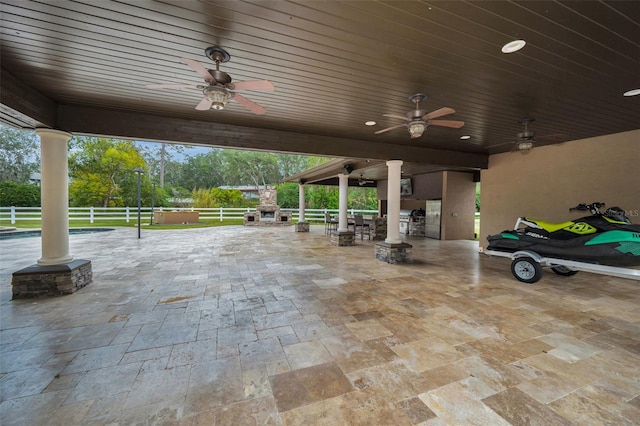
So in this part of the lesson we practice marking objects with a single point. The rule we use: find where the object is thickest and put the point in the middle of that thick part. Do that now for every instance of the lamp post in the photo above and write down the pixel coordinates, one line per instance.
(153, 196)
(139, 171)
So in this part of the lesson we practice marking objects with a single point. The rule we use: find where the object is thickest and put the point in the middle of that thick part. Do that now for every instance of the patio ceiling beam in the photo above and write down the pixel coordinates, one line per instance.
(22, 106)
(144, 126)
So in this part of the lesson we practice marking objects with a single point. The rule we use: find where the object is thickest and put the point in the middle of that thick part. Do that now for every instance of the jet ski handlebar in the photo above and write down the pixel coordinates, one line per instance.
(594, 207)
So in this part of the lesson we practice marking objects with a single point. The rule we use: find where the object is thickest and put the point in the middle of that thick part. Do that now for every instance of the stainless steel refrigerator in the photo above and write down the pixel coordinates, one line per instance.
(433, 212)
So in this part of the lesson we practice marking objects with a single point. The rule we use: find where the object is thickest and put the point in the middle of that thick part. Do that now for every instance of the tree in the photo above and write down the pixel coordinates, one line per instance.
(289, 164)
(322, 197)
(363, 198)
(288, 195)
(19, 194)
(19, 154)
(102, 172)
(160, 159)
(250, 168)
(216, 197)
(202, 171)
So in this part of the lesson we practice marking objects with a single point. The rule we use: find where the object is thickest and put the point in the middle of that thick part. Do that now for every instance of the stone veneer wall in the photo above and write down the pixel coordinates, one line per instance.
(343, 238)
(394, 253)
(378, 228)
(51, 280)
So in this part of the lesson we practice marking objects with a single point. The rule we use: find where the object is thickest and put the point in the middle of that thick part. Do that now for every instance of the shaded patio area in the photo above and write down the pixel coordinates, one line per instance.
(244, 326)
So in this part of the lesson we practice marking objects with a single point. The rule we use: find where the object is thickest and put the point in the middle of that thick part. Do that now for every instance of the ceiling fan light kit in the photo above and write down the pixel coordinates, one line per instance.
(218, 97)
(525, 146)
(416, 129)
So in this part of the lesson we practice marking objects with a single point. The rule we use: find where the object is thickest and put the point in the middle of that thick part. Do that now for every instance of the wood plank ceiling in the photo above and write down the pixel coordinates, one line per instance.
(82, 66)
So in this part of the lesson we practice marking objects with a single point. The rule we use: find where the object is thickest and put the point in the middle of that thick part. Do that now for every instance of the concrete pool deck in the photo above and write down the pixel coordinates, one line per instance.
(241, 326)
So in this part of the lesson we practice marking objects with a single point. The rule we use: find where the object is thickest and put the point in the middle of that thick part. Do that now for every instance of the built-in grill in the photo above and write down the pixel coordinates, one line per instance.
(405, 218)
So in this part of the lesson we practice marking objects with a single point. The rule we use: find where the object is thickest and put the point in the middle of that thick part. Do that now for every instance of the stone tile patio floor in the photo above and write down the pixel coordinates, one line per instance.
(244, 326)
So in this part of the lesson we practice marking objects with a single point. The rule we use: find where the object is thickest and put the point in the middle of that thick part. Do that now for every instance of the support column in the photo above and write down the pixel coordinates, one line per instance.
(393, 250)
(56, 272)
(343, 224)
(55, 197)
(343, 237)
(302, 225)
(393, 201)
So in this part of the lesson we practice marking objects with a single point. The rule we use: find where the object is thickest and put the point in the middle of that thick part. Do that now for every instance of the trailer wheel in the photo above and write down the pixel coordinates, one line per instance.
(563, 270)
(526, 269)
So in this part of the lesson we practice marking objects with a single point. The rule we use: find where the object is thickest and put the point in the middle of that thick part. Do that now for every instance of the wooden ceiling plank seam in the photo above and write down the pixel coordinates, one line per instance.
(107, 59)
(556, 58)
(501, 61)
(619, 41)
(578, 36)
(627, 25)
(331, 44)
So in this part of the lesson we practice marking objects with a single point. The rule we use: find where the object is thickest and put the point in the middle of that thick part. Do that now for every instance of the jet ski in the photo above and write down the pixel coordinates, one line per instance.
(607, 238)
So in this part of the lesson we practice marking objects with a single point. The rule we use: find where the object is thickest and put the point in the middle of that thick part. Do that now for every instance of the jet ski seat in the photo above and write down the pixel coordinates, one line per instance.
(549, 226)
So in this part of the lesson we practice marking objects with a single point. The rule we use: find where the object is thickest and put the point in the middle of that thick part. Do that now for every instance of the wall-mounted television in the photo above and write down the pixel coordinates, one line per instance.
(405, 186)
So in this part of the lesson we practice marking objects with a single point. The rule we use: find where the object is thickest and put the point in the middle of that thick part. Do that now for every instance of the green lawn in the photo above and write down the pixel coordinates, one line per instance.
(133, 224)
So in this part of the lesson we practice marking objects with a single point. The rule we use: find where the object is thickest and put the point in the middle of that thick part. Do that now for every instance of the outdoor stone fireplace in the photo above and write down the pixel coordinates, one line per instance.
(268, 212)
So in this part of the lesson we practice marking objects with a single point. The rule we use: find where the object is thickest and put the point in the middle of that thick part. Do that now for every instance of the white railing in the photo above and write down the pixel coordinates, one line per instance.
(130, 214)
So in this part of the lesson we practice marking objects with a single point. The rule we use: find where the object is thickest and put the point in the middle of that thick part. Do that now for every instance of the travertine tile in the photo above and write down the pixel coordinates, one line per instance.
(306, 354)
(455, 406)
(518, 408)
(232, 325)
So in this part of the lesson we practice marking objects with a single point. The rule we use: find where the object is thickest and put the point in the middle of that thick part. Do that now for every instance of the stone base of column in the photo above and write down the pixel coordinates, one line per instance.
(343, 238)
(51, 280)
(394, 253)
(302, 227)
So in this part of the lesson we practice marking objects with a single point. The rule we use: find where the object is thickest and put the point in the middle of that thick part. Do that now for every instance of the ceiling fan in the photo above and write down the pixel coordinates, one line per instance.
(418, 120)
(219, 89)
(362, 181)
(526, 139)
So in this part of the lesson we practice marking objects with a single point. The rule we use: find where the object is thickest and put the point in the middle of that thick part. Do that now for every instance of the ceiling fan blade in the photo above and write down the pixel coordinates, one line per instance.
(197, 67)
(439, 113)
(447, 123)
(390, 128)
(204, 105)
(171, 86)
(264, 85)
(400, 117)
(250, 105)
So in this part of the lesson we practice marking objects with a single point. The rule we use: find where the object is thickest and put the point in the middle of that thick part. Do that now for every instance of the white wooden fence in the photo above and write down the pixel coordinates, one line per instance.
(130, 214)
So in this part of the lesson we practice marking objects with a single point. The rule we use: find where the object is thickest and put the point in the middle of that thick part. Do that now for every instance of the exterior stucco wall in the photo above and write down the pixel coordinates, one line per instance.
(549, 180)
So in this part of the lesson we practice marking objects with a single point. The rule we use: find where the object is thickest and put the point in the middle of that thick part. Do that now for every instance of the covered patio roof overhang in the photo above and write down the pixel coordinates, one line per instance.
(365, 172)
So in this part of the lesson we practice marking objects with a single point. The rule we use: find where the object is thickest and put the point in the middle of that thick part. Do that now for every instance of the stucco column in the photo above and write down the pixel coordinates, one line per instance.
(393, 201)
(301, 207)
(343, 225)
(55, 197)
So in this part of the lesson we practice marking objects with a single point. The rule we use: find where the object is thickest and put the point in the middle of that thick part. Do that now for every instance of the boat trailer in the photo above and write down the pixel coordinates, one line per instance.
(526, 266)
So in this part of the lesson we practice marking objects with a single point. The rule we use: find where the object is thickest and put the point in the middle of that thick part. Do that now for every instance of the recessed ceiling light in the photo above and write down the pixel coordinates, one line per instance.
(513, 46)
(465, 137)
(370, 123)
(633, 92)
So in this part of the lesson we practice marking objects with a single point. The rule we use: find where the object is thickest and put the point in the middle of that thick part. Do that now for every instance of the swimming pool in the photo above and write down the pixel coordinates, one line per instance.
(11, 235)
